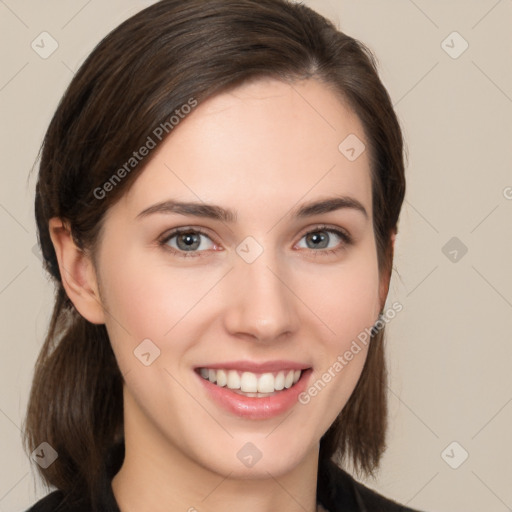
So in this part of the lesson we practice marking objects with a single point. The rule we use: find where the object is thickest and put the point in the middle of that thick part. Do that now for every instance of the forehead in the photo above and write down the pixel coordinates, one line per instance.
(266, 142)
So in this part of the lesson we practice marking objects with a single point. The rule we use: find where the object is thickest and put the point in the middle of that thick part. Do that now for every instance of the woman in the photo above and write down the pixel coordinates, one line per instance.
(217, 202)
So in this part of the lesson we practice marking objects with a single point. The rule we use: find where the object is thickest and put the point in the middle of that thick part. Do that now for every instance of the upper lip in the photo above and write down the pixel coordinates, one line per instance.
(256, 367)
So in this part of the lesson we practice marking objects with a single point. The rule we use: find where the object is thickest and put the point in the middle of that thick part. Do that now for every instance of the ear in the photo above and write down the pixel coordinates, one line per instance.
(385, 278)
(77, 273)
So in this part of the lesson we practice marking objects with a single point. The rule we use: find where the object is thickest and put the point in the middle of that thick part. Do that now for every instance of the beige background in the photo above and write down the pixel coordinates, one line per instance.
(449, 349)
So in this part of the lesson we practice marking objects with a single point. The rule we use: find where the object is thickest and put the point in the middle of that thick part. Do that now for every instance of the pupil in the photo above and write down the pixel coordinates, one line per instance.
(190, 240)
(316, 237)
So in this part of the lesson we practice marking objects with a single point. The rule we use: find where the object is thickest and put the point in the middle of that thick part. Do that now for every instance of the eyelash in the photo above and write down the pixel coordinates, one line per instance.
(345, 237)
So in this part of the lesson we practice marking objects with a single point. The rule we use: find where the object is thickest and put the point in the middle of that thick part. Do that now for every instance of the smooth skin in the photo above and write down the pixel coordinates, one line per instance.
(262, 150)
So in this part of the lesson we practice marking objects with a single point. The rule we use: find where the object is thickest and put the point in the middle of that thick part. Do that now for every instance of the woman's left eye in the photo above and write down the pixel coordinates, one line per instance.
(321, 237)
(188, 241)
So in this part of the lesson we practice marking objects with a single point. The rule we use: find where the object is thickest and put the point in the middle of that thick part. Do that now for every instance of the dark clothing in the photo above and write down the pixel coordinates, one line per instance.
(337, 491)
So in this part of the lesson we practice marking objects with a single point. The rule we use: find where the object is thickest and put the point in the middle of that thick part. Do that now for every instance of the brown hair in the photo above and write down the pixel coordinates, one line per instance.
(132, 82)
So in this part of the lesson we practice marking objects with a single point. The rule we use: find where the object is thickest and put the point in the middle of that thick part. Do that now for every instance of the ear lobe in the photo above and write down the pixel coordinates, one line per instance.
(77, 273)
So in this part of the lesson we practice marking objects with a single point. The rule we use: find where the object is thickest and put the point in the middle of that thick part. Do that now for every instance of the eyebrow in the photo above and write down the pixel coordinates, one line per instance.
(216, 212)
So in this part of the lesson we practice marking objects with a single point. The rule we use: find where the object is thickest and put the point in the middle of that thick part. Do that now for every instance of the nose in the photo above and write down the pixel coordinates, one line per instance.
(261, 305)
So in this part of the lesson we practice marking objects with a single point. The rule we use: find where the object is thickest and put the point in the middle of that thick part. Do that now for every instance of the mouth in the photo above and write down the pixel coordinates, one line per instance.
(255, 391)
(251, 384)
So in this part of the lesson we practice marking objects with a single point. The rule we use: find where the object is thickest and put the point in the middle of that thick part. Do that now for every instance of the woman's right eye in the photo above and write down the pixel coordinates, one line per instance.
(186, 242)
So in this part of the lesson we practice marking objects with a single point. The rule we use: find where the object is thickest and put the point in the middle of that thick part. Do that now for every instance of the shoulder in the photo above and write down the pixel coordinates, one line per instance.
(341, 491)
(376, 502)
(56, 502)
(51, 502)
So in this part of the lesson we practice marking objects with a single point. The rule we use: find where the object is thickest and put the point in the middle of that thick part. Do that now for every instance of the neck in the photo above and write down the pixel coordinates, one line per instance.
(157, 475)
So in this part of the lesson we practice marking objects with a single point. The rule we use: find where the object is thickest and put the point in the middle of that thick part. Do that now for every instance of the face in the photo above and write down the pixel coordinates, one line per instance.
(262, 292)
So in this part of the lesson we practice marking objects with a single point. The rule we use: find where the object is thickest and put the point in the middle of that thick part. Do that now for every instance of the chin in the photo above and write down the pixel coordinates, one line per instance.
(256, 457)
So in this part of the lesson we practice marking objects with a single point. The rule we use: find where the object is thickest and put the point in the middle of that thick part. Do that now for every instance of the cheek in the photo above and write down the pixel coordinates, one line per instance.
(144, 298)
(147, 308)
(346, 297)
(348, 304)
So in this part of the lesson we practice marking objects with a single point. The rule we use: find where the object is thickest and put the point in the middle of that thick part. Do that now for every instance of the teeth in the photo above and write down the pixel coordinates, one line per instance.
(251, 383)
(233, 380)
(266, 383)
(279, 381)
(288, 381)
(222, 378)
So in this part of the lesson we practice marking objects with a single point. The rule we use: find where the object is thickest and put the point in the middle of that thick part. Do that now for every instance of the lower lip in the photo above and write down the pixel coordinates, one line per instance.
(256, 408)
